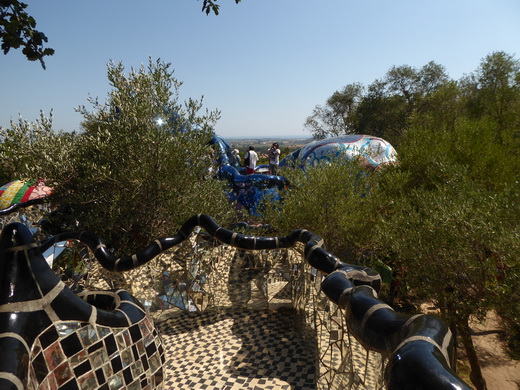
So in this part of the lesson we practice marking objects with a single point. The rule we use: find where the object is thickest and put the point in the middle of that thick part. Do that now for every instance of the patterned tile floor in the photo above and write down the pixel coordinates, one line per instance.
(252, 338)
(236, 349)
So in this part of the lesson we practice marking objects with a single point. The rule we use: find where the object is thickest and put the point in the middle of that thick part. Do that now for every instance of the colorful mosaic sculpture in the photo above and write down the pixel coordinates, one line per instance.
(371, 151)
(52, 339)
(250, 190)
(247, 190)
(420, 348)
(22, 191)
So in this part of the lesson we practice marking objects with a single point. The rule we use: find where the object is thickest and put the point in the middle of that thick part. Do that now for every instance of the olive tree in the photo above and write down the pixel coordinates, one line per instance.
(26, 144)
(449, 221)
(385, 108)
(141, 166)
(445, 218)
(338, 116)
(330, 200)
(493, 91)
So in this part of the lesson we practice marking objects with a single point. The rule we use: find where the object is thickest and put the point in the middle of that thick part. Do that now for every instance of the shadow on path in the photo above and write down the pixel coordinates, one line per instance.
(237, 349)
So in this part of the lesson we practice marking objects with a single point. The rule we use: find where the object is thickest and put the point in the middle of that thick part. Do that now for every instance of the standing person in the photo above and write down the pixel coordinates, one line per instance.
(274, 159)
(236, 158)
(250, 160)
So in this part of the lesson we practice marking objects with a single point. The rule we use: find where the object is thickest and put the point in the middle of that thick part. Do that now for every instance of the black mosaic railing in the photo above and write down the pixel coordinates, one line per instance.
(17, 206)
(51, 338)
(419, 348)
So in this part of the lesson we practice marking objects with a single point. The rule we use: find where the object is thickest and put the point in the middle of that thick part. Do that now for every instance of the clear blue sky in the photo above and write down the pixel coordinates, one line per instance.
(264, 63)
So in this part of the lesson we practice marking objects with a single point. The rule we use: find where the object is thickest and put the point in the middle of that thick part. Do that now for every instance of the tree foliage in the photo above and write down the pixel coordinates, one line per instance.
(382, 109)
(338, 116)
(493, 91)
(329, 200)
(17, 29)
(209, 6)
(406, 96)
(446, 217)
(140, 167)
(26, 144)
(449, 223)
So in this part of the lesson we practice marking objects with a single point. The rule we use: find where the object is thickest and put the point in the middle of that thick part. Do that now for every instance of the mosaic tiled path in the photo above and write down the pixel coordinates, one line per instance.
(343, 363)
(236, 349)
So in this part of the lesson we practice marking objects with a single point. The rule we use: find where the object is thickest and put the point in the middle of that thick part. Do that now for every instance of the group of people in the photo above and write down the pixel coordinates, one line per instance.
(251, 158)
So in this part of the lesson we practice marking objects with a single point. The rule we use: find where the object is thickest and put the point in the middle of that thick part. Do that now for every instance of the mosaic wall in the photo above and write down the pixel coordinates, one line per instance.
(51, 338)
(107, 339)
(200, 276)
(343, 362)
(71, 355)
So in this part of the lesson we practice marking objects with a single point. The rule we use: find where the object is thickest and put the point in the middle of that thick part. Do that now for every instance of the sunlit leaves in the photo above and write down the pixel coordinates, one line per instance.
(125, 177)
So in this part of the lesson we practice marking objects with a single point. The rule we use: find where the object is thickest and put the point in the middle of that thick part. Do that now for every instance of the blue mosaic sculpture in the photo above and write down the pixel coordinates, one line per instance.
(247, 190)
(250, 190)
(372, 152)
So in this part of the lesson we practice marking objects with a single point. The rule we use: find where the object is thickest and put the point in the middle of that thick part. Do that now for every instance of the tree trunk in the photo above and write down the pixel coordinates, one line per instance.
(476, 373)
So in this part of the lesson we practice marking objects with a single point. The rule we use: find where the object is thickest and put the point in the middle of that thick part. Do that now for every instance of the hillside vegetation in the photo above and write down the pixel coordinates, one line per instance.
(444, 220)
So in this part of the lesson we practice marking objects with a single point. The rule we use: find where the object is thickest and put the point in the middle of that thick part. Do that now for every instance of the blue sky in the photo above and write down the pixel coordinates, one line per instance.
(264, 64)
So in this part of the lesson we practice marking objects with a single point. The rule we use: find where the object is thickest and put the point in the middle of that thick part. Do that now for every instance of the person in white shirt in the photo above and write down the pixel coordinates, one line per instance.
(250, 160)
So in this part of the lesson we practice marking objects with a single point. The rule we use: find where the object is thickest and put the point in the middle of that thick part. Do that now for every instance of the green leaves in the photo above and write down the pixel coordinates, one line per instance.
(329, 200)
(446, 217)
(126, 177)
(17, 29)
(385, 108)
(209, 6)
(424, 97)
(142, 172)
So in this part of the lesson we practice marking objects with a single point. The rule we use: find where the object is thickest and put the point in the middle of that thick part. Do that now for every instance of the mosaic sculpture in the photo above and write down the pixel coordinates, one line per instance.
(51, 338)
(419, 348)
(371, 151)
(17, 206)
(19, 192)
(246, 190)
(250, 190)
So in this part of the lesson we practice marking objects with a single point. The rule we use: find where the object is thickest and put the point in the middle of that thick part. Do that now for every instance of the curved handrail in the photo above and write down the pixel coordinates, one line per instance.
(419, 347)
(33, 298)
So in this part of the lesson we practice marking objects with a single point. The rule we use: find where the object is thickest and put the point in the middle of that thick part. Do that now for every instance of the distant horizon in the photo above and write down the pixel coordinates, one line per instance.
(262, 137)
